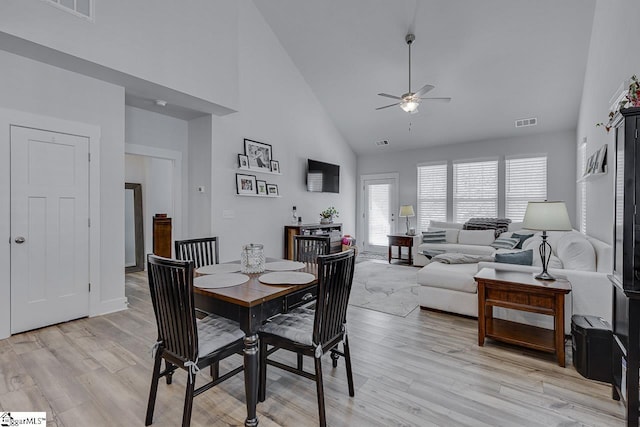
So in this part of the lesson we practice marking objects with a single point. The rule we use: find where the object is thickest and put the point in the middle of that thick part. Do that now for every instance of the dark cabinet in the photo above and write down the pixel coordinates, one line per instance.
(626, 270)
(334, 231)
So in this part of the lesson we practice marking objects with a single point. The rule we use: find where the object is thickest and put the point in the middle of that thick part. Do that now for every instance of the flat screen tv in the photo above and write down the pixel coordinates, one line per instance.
(323, 177)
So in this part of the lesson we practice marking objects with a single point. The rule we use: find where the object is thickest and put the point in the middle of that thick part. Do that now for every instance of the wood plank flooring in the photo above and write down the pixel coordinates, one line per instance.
(422, 370)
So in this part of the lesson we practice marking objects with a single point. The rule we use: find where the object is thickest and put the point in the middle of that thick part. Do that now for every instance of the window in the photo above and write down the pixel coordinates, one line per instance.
(432, 194)
(83, 8)
(525, 180)
(582, 187)
(475, 190)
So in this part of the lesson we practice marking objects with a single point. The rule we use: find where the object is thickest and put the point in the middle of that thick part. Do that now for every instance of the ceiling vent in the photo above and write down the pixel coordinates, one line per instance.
(521, 123)
(381, 143)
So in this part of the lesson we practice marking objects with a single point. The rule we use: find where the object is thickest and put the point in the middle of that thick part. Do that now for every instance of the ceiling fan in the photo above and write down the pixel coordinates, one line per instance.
(410, 101)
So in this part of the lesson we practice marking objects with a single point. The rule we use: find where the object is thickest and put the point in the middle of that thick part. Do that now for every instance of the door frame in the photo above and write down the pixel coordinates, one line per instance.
(361, 200)
(10, 118)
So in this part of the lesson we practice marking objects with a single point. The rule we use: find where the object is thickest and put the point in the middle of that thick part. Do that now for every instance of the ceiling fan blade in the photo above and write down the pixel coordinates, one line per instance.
(437, 99)
(424, 89)
(389, 96)
(387, 106)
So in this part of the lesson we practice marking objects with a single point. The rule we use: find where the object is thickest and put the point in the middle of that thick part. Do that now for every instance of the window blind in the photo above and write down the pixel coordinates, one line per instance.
(525, 180)
(379, 215)
(582, 188)
(475, 190)
(432, 194)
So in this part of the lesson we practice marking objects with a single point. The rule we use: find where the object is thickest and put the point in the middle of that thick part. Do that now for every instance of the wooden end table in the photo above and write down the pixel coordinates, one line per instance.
(401, 241)
(521, 291)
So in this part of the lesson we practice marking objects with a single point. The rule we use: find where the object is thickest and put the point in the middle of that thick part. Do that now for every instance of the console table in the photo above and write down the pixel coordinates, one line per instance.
(334, 231)
(521, 291)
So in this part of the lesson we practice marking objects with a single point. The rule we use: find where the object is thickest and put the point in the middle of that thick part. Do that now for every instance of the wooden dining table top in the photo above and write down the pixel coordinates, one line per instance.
(253, 292)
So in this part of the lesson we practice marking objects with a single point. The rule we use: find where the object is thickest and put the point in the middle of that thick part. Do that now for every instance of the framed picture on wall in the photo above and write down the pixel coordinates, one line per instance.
(245, 184)
(259, 154)
(272, 189)
(275, 166)
(262, 187)
(243, 161)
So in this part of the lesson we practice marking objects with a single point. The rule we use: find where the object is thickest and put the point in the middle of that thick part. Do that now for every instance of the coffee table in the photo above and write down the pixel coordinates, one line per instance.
(521, 291)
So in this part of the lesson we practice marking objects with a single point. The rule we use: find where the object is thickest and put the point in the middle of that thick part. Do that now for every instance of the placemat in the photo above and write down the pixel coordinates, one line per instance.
(218, 268)
(284, 265)
(287, 278)
(221, 280)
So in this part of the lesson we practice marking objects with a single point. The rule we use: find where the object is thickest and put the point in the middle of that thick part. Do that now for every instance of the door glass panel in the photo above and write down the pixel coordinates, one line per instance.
(379, 214)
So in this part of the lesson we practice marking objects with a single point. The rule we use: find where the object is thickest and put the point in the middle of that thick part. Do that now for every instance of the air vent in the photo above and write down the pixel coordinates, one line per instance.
(383, 142)
(521, 123)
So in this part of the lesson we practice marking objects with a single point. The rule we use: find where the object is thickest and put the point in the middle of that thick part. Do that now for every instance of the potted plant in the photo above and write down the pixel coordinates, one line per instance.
(326, 216)
(631, 99)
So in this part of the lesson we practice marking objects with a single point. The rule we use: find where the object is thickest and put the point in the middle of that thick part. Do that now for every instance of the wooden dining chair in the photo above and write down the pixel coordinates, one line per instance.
(203, 251)
(183, 340)
(314, 332)
(308, 248)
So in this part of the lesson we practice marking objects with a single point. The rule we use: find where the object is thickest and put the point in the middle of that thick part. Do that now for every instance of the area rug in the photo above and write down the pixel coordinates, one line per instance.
(380, 286)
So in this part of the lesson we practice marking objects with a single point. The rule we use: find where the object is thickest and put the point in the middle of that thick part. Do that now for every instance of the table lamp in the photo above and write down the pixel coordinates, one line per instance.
(546, 216)
(406, 211)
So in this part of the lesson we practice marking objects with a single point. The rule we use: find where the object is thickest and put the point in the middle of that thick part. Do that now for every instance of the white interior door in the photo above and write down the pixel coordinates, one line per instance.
(380, 202)
(49, 228)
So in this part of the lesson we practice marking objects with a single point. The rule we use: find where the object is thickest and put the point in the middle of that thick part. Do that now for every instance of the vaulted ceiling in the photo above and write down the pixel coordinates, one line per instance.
(499, 61)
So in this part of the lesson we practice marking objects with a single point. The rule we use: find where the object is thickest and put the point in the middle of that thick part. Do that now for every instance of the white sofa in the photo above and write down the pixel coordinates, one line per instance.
(452, 288)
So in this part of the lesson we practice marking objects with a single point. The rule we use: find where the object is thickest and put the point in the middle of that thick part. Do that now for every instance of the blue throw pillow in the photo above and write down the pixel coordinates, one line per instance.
(439, 236)
(522, 238)
(521, 258)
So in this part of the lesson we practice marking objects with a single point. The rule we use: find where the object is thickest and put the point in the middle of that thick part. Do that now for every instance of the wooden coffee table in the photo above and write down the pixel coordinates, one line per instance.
(521, 291)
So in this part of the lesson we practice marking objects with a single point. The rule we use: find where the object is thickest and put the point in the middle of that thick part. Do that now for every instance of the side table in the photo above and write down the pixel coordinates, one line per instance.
(401, 241)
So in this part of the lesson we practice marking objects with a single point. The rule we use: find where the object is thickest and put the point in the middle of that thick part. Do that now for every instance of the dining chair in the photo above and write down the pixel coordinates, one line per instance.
(314, 332)
(203, 251)
(185, 341)
(307, 248)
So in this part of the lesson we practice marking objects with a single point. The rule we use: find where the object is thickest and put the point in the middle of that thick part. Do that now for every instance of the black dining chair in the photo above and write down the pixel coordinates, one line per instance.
(203, 251)
(183, 340)
(314, 332)
(307, 248)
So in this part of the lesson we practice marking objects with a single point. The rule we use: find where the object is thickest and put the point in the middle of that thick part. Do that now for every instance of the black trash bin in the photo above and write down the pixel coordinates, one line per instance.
(592, 347)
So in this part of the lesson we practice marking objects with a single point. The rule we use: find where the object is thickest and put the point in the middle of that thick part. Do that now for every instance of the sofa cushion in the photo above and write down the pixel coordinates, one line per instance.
(442, 224)
(439, 236)
(521, 238)
(451, 234)
(476, 237)
(457, 277)
(576, 253)
(457, 248)
(521, 258)
(505, 243)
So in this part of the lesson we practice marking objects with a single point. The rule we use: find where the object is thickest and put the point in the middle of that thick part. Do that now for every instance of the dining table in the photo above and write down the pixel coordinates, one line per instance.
(252, 303)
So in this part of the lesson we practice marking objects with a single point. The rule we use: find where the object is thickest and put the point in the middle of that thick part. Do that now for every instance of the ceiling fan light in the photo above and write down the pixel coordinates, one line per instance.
(409, 105)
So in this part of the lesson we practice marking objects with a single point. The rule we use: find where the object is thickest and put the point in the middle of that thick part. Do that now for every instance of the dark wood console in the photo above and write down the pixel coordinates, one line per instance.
(334, 231)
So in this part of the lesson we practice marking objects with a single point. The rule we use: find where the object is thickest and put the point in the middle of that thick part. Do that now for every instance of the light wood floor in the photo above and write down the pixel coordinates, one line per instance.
(422, 370)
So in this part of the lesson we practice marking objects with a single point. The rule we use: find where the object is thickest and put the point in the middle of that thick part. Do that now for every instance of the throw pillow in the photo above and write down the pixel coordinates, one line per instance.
(505, 243)
(476, 237)
(520, 258)
(434, 236)
(451, 233)
(522, 238)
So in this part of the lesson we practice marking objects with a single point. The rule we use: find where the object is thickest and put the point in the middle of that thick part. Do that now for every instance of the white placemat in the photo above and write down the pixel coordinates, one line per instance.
(287, 278)
(218, 268)
(221, 280)
(284, 265)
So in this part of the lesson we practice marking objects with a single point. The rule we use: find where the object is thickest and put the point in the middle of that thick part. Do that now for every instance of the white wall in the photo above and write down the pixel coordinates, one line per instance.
(613, 58)
(559, 148)
(187, 46)
(276, 107)
(200, 161)
(37, 88)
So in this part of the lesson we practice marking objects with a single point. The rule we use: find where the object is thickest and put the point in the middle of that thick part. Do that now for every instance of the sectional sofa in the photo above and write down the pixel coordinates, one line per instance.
(582, 260)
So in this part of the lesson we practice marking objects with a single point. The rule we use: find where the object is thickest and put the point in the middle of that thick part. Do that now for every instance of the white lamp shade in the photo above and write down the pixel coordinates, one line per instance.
(546, 216)
(406, 211)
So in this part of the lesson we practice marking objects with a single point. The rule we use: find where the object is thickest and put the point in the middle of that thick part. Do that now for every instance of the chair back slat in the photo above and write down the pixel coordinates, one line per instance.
(203, 251)
(335, 277)
(171, 289)
(308, 248)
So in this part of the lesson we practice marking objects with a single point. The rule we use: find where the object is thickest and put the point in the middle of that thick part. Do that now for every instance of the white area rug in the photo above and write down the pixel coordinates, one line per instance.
(380, 286)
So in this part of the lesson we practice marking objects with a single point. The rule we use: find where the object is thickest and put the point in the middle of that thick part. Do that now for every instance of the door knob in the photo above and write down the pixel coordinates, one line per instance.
(19, 239)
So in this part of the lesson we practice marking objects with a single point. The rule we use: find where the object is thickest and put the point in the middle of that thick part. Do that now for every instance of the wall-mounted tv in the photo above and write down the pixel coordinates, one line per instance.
(323, 177)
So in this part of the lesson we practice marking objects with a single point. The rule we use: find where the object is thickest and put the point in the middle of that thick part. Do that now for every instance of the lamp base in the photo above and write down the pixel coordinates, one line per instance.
(544, 276)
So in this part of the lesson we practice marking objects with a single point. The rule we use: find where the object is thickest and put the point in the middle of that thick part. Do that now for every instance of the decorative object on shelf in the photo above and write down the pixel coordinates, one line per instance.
(259, 154)
(245, 184)
(625, 100)
(252, 258)
(326, 216)
(294, 216)
(596, 164)
(262, 187)
(275, 166)
(406, 211)
(272, 189)
(546, 216)
(243, 161)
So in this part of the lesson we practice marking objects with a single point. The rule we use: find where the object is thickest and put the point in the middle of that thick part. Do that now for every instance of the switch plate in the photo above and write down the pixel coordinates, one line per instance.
(201, 189)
